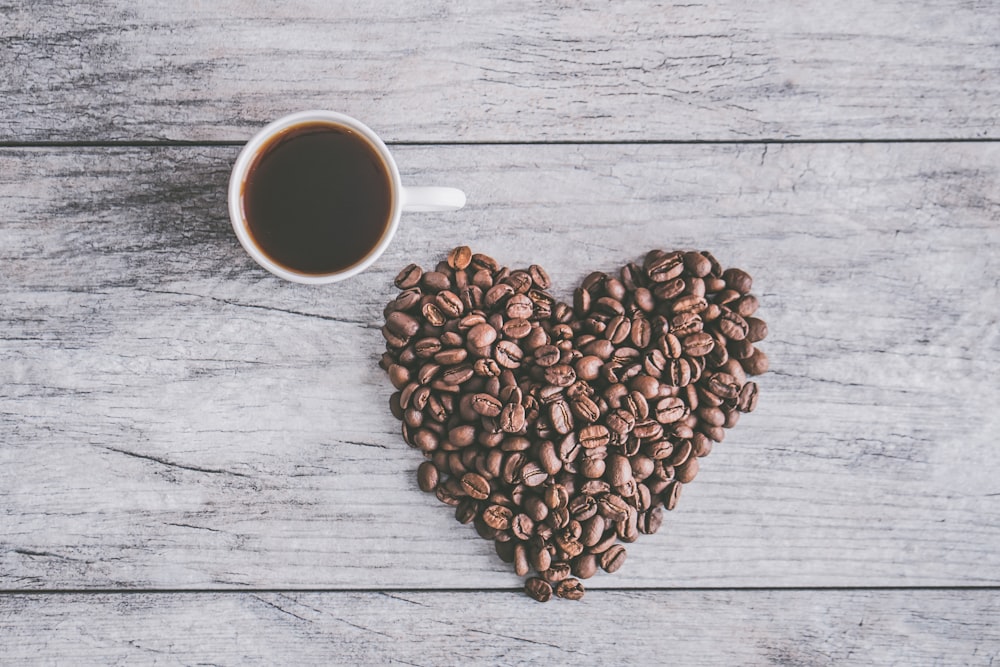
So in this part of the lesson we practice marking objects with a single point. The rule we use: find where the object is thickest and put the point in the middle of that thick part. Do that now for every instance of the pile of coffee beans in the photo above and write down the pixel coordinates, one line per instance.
(562, 431)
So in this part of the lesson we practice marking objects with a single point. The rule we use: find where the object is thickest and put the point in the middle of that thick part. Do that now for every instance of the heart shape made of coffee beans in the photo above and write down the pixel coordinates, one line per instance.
(562, 431)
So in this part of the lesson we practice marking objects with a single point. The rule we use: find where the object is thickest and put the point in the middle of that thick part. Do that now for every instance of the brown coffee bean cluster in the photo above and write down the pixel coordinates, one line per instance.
(562, 431)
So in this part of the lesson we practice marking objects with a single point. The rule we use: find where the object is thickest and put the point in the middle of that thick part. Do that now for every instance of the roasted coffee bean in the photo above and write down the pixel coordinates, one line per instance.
(670, 409)
(619, 470)
(612, 507)
(650, 521)
(516, 329)
(556, 497)
(570, 589)
(427, 476)
(613, 558)
(409, 277)
(698, 344)
(449, 304)
(747, 400)
(476, 486)
(538, 589)
(460, 257)
(539, 277)
(532, 474)
(757, 363)
(689, 304)
(560, 416)
(486, 405)
(672, 495)
(756, 329)
(560, 375)
(456, 375)
(669, 290)
(402, 324)
(732, 325)
(466, 510)
(620, 421)
(593, 435)
(497, 517)
(481, 335)
(737, 279)
(665, 267)
(585, 409)
(558, 571)
(547, 355)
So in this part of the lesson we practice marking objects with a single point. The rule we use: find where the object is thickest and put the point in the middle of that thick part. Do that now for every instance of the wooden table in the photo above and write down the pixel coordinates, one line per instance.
(198, 464)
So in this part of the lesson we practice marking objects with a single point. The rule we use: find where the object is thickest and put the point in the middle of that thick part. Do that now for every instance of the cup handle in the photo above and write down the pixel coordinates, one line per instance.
(432, 199)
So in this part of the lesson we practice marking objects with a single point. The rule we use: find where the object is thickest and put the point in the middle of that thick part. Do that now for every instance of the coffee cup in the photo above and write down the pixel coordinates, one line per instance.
(315, 197)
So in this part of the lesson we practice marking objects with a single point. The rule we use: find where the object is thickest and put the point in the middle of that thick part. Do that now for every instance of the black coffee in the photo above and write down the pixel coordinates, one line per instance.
(318, 198)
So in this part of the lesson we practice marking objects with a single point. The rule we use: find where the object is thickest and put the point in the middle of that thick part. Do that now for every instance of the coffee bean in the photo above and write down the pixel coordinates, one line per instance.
(402, 324)
(619, 470)
(486, 405)
(672, 495)
(664, 267)
(756, 329)
(757, 364)
(612, 507)
(533, 474)
(697, 264)
(737, 279)
(613, 558)
(481, 335)
(560, 416)
(475, 486)
(560, 375)
(585, 409)
(516, 329)
(620, 421)
(650, 521)
(497, 517)
(732, 325)
(570, 589)
(427, 476)
(689, 304)
(521, 565)
(698, 344)
(538, 589)
(724, 385)
(539, 277)
(435, 281)
(747, 400)
(460, 257)
(547, 355)
(409, 277)
(593, 435)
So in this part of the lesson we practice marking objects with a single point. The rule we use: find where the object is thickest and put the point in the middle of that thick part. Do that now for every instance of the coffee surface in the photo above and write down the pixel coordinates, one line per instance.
(318, 198)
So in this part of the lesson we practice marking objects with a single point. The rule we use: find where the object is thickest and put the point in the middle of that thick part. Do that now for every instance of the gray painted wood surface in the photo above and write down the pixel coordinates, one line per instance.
(177, 417)
(502, 71)
(197, 463)
(925, 627)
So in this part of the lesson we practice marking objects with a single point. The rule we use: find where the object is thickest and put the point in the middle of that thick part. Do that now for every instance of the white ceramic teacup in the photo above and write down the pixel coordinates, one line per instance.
(402, 198)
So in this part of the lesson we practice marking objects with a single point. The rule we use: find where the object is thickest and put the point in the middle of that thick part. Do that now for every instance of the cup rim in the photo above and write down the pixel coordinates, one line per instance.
(237, 182)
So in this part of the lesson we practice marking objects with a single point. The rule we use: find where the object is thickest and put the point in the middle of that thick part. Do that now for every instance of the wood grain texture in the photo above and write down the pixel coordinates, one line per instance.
(606, 627)
(502, 71)
(175, 417)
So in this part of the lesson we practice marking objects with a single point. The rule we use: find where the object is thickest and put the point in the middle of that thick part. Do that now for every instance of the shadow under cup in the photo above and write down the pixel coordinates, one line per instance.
(317, 200)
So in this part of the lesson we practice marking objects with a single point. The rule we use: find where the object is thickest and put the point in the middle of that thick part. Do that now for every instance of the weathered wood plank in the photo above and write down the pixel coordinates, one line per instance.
(175, 417)
(502, 71)
(607, 627)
